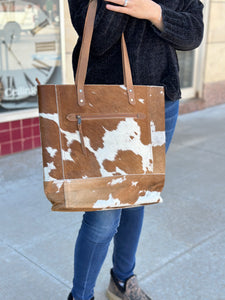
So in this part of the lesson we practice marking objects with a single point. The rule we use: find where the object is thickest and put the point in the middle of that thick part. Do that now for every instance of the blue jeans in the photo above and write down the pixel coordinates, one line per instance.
(99, 227)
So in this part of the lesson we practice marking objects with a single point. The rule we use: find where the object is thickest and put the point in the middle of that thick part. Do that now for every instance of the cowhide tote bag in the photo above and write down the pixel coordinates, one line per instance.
(103, 145)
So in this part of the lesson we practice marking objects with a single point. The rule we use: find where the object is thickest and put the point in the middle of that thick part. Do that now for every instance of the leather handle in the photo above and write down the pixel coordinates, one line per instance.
(127, 75)
(84, 57)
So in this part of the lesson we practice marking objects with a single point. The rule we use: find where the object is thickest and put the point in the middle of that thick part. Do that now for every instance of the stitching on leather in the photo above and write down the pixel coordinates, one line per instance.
(60, 141)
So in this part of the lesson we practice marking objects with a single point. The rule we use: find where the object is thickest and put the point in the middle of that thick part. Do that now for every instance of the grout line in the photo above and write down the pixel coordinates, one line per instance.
(38, 239)
(21, 139)
(197, 148)
(38, 266)
(177, 257)
(207, 151)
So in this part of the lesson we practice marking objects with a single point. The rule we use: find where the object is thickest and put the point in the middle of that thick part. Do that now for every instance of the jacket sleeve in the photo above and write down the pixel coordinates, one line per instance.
(183, 27)
(108, 25)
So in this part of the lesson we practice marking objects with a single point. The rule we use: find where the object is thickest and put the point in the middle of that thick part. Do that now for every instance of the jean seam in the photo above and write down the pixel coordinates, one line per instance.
(85, 283)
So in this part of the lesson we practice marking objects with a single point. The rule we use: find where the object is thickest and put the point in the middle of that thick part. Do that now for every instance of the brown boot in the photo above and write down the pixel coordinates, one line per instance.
(131, 290)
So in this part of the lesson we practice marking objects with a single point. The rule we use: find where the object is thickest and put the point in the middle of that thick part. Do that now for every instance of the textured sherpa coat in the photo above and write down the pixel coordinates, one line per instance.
(152, 53)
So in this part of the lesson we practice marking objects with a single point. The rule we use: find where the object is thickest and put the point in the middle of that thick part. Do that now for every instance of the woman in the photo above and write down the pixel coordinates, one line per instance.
(153, 31)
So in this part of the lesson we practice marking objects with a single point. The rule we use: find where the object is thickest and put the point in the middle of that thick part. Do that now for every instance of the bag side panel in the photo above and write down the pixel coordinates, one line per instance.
(157, 126)
(50, 140)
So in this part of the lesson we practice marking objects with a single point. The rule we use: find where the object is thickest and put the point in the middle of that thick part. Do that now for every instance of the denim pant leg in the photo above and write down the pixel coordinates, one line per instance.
(127, 236)
(171, 114)
(96, 232)
(126, 242)
(99, 227)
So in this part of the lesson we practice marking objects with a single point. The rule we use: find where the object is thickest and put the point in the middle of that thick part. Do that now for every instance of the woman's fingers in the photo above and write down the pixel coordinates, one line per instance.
(131, 6)
(141, 9)
(117, 9)
(118, 2)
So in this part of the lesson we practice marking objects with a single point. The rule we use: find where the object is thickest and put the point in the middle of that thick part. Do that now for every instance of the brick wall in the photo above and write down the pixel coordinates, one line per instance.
(16, 136)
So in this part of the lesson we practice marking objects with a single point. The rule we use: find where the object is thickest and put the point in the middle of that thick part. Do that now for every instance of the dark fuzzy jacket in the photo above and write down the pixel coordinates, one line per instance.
(152, 53)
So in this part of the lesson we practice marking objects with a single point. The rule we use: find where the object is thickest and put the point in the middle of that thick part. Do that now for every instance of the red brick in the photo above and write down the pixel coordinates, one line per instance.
(26, 122)
(6, 149)
(37, 142)
(16, 124)
(35, 121)
(17, 146)
(27, 132)
(16, 134)
(27, 144)
(4, 126)
(5, 136)
(36, 130)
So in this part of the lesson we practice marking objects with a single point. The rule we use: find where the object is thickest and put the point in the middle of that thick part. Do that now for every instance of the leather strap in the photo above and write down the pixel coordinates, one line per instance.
(84, 51)
(84, 57)
(127, 75)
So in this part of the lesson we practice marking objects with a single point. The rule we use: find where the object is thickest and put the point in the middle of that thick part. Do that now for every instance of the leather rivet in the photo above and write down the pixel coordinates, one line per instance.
(81, 91)
(81, 100)
(132, 100)
(130, 90)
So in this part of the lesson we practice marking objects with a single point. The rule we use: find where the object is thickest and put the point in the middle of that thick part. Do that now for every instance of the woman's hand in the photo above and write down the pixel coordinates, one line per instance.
(141, 9)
